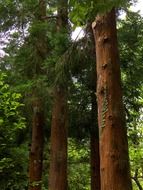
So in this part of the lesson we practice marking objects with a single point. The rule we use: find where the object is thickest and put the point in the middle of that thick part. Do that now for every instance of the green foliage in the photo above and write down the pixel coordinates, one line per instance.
(83, 11)
(9, 107)
(130, 38)
(13, 168)
(130, 43)
(104, 109)
(79, 169)
(136, 152)
(57, 62)
(34, 68)
(12, 158)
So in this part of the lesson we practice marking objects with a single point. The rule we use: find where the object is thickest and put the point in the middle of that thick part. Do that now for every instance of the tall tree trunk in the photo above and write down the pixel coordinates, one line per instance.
(114, 159)
(36, 152)
(38, 119)
(58, 161)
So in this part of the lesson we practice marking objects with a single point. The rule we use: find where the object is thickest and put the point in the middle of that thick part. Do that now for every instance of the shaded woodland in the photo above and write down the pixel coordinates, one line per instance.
(71, 114)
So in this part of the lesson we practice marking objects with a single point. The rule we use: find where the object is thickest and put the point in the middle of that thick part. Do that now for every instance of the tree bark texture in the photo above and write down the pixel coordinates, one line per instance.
(58, 161)
(36, 152)
(38, 119)
(114, 159)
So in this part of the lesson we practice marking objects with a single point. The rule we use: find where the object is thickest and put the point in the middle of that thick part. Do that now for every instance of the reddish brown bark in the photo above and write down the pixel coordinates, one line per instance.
(114, 159)
(58, 161)
(36, 152)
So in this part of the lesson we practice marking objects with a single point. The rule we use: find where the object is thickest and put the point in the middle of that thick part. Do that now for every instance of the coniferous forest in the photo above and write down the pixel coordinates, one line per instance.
(71, 109)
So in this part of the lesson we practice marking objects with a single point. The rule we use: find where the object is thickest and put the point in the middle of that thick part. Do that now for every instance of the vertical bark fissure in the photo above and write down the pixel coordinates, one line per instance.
(114, 159)
(58, 160)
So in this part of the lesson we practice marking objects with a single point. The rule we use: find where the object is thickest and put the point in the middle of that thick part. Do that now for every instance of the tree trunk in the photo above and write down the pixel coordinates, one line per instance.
(36, 152)
(38, 119)
(114, 159)
(58, 161)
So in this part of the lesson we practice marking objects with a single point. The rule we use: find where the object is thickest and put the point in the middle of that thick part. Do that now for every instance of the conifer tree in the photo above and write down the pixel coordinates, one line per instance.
(58, 157)
(38, 119)
(114, 158)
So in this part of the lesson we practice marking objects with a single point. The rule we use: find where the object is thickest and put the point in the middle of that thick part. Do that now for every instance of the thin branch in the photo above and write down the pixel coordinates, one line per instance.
(135, 178)
(49, 17)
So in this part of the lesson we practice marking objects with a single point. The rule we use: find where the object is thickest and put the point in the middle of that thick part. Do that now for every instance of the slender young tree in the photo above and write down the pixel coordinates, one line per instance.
(114, 159)
(38, 120)
(58, 161)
